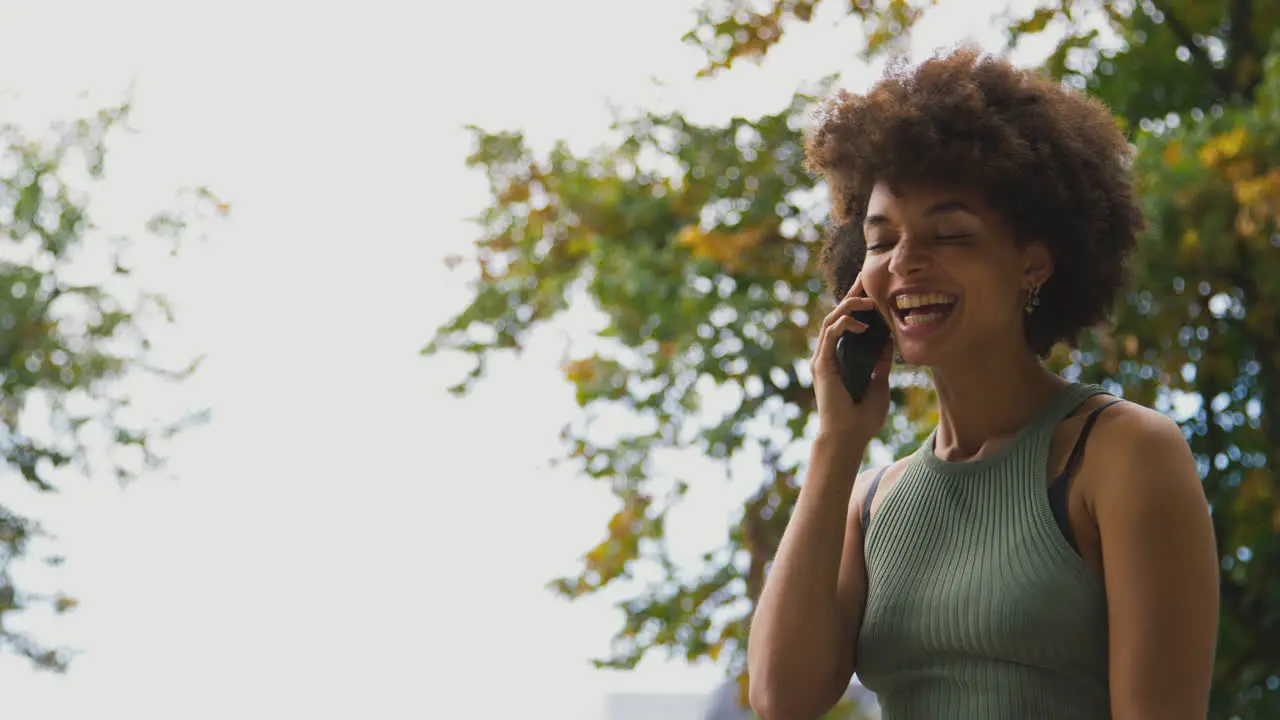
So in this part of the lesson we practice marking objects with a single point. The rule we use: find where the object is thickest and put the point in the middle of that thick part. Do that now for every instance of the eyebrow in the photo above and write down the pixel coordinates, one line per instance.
(946, 206)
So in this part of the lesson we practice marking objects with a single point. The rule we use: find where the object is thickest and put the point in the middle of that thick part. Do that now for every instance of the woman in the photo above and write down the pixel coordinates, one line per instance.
(1048, 551)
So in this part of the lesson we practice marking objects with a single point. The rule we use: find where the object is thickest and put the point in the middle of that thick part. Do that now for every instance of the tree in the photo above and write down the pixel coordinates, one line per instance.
(700, 246)
(73, 325)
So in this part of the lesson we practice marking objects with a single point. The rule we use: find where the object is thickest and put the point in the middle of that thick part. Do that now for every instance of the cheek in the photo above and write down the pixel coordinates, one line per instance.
(875, 275)
(877, 281)
(995, 271)
(992, 291)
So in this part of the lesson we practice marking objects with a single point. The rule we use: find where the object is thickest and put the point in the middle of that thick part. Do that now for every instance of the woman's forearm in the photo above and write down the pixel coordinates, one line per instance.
(798, 635)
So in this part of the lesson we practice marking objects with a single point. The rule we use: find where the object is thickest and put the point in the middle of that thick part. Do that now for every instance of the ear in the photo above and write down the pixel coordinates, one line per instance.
(1037, 264)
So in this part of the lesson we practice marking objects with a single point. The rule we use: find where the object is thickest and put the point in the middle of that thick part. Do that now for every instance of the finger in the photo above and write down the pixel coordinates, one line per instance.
(857, 288)
(825, 359)
(845, 324)
(840, 324)
(822, 343)
(846, 306)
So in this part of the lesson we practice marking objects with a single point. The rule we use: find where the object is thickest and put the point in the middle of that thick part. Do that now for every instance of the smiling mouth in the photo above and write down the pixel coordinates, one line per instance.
(922, 310)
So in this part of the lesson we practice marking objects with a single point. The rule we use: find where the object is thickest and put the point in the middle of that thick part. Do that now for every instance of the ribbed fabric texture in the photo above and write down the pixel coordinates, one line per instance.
(977, 607)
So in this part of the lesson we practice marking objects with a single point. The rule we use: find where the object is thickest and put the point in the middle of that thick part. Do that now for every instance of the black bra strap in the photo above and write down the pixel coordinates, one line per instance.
(1077, 452)
(866, 504)
(1058, 489)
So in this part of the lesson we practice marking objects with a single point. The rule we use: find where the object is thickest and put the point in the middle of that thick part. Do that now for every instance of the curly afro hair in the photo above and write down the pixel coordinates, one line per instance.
(1051, 161)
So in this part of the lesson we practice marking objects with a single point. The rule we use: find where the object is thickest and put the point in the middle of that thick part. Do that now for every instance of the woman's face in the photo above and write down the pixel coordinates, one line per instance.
(945, 270)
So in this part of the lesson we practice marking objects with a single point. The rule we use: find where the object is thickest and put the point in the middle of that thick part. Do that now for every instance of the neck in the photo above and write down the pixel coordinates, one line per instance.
(985, 399)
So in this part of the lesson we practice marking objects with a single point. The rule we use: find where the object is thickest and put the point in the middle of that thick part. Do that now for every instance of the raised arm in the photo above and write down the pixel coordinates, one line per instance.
(800, 651)
(803, 635)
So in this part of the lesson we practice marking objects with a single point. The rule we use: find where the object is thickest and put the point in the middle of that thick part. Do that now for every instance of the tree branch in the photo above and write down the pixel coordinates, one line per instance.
(1198, 53)
(1245, 66)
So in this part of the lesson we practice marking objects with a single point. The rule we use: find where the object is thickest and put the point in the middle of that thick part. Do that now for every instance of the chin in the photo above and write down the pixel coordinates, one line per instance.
(930, 350)
(913, 354)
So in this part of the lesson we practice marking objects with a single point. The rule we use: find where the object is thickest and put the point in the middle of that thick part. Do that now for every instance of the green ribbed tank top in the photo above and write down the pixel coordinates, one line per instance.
(978, 608)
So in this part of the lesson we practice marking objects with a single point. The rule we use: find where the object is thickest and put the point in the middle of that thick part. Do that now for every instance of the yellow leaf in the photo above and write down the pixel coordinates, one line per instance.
(1039, 21)
(689, 236)
(714, 651)
(1246, 226)
(579, 243)
(744, 683)
(1232, 142)
(1190, 240)
(1173, 152)
(1223, 147)
(580, 371)
(516, 192)
(729, 249)
(920, 407)
(1251, 190)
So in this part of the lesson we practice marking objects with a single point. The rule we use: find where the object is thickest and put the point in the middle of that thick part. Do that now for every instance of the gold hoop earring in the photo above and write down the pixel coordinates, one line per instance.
(1033, 299)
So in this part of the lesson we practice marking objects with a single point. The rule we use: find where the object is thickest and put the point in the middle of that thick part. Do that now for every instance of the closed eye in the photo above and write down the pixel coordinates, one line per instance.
(885, 246)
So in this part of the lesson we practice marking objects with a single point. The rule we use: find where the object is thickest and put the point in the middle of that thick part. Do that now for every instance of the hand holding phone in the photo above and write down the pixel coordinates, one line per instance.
(858, 353)
(852, 402)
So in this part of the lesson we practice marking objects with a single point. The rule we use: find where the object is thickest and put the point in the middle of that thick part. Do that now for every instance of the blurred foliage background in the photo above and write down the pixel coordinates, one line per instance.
(700, 245)
(74, 324)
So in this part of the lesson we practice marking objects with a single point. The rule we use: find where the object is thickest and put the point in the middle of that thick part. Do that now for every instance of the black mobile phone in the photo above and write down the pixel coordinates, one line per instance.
(858, 353)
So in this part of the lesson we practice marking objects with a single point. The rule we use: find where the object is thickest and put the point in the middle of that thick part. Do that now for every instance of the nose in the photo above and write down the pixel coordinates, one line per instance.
(909, 257)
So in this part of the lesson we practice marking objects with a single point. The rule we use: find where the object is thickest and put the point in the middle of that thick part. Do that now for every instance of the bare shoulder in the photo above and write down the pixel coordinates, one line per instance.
(1135, 421)
(1144, 452)
(1149, 503)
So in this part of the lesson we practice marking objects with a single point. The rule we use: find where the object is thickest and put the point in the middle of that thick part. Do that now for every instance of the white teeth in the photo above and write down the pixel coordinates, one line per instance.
(915, 319)
(906, 302)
